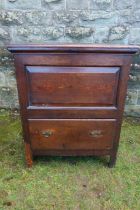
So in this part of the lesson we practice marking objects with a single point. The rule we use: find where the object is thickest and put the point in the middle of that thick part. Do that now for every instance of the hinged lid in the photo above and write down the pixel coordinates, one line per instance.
(90, 48)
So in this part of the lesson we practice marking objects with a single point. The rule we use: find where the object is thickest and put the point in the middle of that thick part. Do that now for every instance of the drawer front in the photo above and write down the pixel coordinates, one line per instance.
(72, 86)
(71, 134)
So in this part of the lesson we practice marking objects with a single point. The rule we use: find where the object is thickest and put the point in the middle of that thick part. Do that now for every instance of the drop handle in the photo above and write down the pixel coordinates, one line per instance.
(47, 133)
(96, 133)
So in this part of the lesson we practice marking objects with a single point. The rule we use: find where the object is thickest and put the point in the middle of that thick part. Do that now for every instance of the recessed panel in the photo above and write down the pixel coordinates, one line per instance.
(72, 86)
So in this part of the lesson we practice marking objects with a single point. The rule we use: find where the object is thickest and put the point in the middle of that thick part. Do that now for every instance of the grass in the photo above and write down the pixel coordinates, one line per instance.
(68, 183)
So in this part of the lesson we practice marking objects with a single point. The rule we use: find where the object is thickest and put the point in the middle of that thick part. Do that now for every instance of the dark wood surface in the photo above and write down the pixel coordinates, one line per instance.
(73, 48)
(72, 98)
(72, 134)
(68, 86)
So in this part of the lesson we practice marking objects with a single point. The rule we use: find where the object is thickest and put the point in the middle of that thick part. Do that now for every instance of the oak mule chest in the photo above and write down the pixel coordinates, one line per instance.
(72, 98)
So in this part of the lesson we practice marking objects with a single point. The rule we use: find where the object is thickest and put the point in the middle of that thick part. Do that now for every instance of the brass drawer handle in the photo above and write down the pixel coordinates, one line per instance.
(95, 133)
(47, 133)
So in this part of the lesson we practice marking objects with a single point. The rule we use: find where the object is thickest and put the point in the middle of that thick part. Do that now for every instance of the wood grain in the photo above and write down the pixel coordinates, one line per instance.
(72, 86)
(72, 134)
(72, 97)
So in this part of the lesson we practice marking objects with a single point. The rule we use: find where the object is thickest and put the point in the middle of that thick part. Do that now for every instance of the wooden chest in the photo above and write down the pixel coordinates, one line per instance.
(72, 98)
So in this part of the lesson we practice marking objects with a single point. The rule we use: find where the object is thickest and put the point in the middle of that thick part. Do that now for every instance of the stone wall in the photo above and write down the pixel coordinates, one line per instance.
(71, 21)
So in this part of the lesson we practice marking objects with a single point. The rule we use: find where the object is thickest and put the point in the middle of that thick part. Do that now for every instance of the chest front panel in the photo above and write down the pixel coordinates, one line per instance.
(72, 86)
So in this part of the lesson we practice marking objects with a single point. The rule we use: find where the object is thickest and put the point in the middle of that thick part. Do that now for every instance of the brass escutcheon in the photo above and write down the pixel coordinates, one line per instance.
(95, 133)
(47, 133)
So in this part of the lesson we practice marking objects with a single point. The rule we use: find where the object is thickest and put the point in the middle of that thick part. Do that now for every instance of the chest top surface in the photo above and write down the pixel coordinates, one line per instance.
(73, 48)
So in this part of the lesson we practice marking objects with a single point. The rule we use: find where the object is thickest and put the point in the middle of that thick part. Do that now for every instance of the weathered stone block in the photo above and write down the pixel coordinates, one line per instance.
(136, 61)
(7, 79)
(134, 76)
(132, 97)
(8, 90)
(11, 17)
(2, 79)
(134, 85)
(4, 35)
(93, 15)
(100, 18)
(77, 5)
(123, 4)
(26, 34)
(37, 34)
(6, 59)
(38, 18)
(118, 33)
(78, 32)
(132, 110)
(129, 16)
(136, 4)
(101, 35)
(24, 4)
(28, 17)
(2, 4)
(125, 16)
(9, 97)
(10, 79)
(134, 37)
(101, 4)
(138, 102)
(54, 4)
(136, 16)
(66, 17)
(52, 33)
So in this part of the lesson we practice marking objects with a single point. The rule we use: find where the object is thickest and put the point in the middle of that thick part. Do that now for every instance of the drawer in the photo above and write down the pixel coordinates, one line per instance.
(72, 86)
(72, 134)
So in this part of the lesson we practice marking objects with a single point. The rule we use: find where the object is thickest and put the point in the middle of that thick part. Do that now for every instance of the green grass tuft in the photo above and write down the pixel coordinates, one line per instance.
(68, 183)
